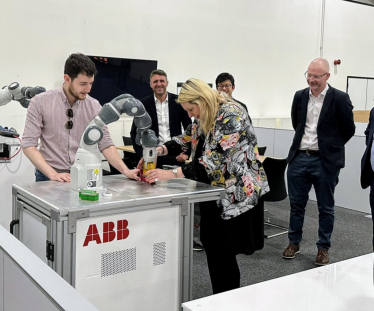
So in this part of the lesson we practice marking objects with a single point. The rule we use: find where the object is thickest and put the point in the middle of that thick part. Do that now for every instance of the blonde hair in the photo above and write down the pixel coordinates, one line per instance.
(197, 92)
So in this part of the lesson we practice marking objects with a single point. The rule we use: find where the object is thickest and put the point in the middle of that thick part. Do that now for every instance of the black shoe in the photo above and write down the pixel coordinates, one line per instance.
(197, 246)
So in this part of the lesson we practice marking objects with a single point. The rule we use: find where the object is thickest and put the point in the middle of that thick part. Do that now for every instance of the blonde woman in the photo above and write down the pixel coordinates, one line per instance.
(224, 154)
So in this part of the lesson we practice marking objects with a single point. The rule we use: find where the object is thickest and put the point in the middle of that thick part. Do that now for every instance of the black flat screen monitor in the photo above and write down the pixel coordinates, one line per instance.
(116, 76)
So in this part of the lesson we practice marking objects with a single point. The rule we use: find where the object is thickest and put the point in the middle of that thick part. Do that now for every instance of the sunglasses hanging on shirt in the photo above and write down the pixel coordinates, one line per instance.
(69, 124)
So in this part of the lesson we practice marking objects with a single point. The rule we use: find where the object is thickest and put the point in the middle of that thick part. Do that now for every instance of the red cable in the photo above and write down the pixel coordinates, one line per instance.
(19, 150)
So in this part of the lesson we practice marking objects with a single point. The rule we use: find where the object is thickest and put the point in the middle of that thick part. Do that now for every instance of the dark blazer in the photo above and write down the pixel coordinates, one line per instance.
(335, 126)
(244, 106)
(366, 169)
(177, 117)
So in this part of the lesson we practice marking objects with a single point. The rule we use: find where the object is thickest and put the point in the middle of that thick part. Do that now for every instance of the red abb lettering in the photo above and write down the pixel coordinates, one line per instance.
(122, 231)
(92, 235)
(109, 233)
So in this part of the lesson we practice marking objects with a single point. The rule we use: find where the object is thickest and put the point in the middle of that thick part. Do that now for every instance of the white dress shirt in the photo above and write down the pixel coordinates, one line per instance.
(162, 109)
(310, 139)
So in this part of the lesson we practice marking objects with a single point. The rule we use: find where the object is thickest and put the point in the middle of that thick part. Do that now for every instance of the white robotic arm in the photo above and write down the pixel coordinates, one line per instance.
(21, 94)
(86, 171)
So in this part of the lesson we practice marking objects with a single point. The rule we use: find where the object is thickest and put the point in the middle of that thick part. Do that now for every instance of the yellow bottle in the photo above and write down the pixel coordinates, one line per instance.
(147, 166)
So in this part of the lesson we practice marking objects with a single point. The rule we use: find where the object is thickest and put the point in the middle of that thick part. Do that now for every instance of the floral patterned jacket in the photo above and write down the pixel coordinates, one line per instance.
(230, 158)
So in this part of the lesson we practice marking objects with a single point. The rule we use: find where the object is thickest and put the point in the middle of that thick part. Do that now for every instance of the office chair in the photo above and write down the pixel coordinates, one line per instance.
(261, 150)
(275, 169)
(127, 141)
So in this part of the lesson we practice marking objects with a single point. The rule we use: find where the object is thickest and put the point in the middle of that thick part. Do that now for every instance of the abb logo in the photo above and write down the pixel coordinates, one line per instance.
(108, 232)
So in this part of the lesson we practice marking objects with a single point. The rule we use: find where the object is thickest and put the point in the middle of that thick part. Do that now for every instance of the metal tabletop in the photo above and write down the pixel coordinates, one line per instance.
(59, 197)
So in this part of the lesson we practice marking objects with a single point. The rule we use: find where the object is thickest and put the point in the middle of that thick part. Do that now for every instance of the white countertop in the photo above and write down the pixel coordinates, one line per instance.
(345, 285)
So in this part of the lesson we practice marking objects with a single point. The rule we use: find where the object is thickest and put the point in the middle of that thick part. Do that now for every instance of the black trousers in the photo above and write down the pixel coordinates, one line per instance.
(224, 239)
(372, 205)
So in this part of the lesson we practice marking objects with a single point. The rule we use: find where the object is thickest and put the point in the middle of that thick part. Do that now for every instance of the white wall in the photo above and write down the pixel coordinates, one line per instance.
(266, 44)
(349, 37)
(260, 42)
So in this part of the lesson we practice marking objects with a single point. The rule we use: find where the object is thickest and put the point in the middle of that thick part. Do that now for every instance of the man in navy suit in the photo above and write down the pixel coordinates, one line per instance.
(367, 164)
(323, 122)
(167, 116)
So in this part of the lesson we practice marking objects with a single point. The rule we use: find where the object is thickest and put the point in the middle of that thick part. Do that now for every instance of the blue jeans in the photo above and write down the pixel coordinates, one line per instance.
(303, 172)
(39, 176)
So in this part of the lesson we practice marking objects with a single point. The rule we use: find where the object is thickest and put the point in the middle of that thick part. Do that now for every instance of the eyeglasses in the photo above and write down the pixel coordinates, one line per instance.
(315, 77)
(69, 124)
(224, 86)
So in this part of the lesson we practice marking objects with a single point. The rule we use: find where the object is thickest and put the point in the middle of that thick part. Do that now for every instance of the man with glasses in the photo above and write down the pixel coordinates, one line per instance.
(225, 83)
(323, 121)
(59, 117)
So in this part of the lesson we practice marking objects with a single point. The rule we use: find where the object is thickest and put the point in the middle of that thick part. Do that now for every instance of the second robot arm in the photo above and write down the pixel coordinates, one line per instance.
(21, 94)
(111, 112)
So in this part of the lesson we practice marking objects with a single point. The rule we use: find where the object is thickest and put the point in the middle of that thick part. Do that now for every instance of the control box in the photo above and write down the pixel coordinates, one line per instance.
(9, 145)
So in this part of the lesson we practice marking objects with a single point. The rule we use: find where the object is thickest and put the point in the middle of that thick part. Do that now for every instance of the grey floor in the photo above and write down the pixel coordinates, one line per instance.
(352, 237)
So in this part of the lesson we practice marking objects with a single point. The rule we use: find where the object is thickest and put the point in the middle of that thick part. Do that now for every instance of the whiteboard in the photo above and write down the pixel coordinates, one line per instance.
(357, 88)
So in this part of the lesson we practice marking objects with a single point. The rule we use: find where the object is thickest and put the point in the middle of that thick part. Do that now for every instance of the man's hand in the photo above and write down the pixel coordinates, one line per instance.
(110, 153)
(140, 164)
(62, 177)
(132, 174)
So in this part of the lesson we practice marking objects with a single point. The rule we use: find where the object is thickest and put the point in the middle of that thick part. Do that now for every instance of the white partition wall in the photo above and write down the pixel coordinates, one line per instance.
(265, 138)
(358, 93)
(127, 123)
(27, 283)
(348, 192)
(282, 142)
(370, 95)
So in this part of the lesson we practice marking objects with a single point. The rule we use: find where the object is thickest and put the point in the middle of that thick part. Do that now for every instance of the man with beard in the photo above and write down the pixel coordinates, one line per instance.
(59, 117)
(323, 121)
(167, 116)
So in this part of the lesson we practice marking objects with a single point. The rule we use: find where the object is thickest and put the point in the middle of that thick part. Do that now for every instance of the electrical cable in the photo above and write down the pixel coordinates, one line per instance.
(19, 150)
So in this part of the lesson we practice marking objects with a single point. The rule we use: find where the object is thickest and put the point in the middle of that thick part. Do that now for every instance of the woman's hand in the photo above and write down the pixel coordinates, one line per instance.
(182, 157)
(156, 175)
